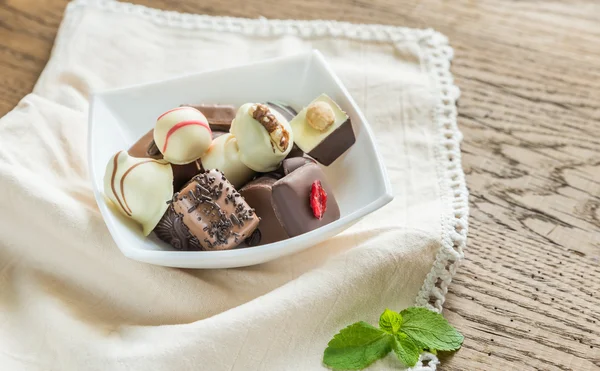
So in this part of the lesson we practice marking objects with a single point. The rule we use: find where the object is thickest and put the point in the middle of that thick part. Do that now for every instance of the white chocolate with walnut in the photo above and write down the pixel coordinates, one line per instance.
(262, 145)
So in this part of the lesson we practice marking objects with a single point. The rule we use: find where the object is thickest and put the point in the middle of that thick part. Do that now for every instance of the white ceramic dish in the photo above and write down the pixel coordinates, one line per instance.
(119, 117)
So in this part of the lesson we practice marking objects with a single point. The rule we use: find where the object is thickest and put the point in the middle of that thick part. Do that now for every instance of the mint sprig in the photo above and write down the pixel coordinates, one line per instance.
(431, 329)
(390, 321)
(406, 349)
(357, 346)
(407, 333)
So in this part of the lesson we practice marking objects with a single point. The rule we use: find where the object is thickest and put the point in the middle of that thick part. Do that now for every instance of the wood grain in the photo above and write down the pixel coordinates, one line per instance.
(528, 295)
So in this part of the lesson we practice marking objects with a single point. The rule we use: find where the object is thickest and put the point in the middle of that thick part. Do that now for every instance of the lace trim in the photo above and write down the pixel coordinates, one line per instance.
(437, 55)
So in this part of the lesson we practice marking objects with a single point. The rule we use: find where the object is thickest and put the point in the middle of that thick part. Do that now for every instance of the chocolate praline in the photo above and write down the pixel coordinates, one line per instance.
(213, 213)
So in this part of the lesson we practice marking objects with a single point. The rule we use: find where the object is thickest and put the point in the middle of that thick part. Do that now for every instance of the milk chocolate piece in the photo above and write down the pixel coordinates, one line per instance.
(291, 201)
(183, 173)
(322, 130)
(288, 165)
(213, 212)
(257, 194)
(291, 164)
(145, 147)
(219, 115)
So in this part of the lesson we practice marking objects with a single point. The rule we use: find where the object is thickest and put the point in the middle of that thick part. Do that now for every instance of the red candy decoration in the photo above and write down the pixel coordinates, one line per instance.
(318, 199)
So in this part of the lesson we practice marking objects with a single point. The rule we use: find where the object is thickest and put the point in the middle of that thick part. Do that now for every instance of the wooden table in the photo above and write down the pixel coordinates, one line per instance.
(528, 295)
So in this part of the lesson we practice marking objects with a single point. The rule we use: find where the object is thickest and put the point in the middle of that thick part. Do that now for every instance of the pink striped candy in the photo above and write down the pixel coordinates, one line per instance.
(182, 135)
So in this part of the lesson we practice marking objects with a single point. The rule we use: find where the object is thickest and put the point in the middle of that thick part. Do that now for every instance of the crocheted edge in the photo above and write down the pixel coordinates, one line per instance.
(437, 55)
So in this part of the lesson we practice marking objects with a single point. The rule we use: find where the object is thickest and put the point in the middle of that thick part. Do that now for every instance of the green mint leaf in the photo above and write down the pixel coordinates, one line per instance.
(390, 321)
(406, 350)
(357, 346)
(430, 329)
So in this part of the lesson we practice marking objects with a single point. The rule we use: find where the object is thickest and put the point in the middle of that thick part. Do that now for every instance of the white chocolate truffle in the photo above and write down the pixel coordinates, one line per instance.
(261, 149)
(139, 188)
(224, 156)
(182, 135)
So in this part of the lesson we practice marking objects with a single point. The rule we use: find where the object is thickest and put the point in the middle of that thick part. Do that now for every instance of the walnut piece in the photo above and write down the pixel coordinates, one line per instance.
(279, 136)
(320, 116)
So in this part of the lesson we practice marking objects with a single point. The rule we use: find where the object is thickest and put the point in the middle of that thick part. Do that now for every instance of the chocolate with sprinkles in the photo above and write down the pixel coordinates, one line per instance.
(213, 213)
(254, 238)
(173, 231)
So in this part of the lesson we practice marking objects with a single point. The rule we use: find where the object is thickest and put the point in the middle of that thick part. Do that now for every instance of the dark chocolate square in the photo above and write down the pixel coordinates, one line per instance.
(335, 144)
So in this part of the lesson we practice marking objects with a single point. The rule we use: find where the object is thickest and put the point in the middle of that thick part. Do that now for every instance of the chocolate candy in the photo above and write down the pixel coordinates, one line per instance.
(183, 173)
(224, 155)
(292, 198)
(263, 135)
(173, 231)
(139, 187)
(146, 148)
(219, 116)
(291, 164)
(208, 214)
(257, 194)
(322, 130)
(288, 165)
(182, 135)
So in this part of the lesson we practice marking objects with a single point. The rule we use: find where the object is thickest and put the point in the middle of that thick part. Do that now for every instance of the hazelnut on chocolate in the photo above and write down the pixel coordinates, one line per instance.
(323, 130)
(319, 115)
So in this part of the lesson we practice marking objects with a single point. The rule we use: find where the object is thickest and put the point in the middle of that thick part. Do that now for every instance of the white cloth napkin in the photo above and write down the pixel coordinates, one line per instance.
(69, 300)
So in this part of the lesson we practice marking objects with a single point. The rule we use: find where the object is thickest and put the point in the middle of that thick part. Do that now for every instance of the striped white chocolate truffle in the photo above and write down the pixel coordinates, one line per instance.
(182, 135)
(139, 188)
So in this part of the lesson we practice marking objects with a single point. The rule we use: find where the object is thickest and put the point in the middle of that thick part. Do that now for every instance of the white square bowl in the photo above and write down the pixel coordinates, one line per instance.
(118, 118)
